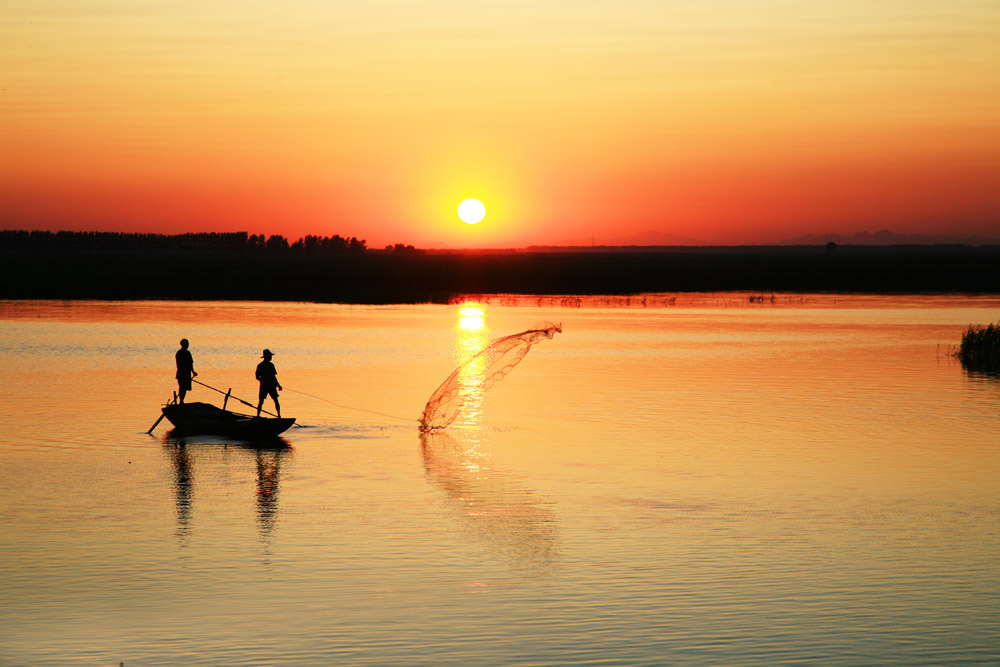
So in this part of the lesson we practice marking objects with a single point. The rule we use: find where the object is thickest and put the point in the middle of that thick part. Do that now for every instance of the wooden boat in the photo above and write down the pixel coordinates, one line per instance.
(204, 418)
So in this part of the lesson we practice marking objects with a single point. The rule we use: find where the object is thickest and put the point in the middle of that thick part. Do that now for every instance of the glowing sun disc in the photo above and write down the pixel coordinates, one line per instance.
(471, 211)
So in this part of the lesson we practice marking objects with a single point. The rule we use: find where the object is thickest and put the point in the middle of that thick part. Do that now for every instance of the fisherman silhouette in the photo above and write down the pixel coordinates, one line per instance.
(185, 370)
(267, 375)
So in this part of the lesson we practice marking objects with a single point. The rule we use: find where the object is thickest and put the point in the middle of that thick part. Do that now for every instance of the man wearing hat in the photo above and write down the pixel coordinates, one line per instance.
(267, 375)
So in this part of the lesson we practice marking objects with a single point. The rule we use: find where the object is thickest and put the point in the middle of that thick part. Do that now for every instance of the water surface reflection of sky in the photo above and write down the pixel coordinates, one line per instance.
(704, 480)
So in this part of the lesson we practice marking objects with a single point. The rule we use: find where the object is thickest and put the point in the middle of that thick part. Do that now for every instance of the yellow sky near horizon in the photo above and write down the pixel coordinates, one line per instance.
(725, 121)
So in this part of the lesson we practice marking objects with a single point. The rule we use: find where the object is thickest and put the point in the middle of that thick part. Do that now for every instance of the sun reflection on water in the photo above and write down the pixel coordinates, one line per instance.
(472, 336)
(471, 318)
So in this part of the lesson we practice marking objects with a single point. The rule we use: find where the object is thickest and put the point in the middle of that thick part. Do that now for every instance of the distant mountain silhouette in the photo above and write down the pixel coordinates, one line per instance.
(886, 237)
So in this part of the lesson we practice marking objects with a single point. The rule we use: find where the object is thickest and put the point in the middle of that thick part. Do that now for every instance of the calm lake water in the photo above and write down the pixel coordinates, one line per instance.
(686, 479)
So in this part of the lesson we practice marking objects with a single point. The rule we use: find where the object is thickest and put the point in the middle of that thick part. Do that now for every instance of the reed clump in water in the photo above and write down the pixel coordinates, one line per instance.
(980, 348)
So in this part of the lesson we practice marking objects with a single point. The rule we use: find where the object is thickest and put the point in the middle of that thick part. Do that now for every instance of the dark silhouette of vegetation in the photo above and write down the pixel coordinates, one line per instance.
(980, 349)
(97, 265)
(329, 244)
(401, 249)
(224, 241)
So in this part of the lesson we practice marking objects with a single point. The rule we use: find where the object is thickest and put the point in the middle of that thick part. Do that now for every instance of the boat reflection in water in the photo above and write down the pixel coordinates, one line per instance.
(183, 488)
(267, 456)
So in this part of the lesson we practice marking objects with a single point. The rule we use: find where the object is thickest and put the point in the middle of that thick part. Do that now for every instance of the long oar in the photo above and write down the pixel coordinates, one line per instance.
(162, 415)
(157, 423)
(229, 394)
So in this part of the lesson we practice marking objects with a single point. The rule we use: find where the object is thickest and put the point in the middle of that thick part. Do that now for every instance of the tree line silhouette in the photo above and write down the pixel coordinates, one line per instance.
(241, 266)
(210, 241)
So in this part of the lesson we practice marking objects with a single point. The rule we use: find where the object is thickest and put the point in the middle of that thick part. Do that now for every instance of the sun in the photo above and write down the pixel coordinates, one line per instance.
(471, 211)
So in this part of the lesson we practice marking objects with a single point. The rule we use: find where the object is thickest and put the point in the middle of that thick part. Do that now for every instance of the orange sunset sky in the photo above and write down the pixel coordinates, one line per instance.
(719, 121)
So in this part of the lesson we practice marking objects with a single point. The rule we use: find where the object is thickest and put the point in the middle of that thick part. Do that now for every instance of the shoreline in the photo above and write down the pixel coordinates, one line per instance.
(439, 277)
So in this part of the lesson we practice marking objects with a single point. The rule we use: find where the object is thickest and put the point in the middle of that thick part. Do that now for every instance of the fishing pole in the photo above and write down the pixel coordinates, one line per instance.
(229, 394)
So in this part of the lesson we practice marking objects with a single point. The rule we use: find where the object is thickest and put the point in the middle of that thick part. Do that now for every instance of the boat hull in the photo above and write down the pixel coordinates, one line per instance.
(203, 418)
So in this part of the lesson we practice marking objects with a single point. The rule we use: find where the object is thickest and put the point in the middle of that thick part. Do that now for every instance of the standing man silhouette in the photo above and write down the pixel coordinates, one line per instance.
(185, 370)
(267, 375)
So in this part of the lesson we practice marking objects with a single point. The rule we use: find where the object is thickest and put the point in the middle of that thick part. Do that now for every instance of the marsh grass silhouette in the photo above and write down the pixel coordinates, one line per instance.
(980, 349)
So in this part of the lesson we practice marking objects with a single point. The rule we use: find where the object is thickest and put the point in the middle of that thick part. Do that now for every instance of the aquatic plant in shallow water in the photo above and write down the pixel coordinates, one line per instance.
(980, 348)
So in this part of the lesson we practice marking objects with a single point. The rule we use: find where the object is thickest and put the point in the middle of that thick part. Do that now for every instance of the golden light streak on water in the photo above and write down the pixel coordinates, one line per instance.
(472, 337)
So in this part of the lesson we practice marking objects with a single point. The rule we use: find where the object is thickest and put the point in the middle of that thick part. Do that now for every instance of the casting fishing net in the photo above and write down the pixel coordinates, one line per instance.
(481, 372)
